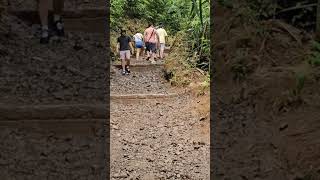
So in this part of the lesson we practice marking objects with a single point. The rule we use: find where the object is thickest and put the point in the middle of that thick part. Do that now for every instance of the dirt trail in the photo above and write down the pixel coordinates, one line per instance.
(156, 138)
(42, 87)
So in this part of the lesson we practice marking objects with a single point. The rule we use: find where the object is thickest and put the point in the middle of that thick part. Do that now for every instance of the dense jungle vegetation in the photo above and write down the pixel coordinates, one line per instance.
(189, 19)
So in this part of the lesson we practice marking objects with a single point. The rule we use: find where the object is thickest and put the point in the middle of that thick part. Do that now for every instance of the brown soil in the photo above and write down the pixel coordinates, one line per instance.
(261, 131)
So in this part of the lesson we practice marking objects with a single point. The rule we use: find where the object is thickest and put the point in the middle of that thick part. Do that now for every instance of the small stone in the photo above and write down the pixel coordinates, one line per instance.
(283, 127)
(115, 127)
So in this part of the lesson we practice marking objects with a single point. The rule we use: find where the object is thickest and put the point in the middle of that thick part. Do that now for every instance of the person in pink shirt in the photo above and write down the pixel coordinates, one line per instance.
(151, 38)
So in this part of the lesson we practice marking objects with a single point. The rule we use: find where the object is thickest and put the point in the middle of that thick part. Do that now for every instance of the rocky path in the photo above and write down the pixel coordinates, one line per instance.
(53, 109)
(161, 138)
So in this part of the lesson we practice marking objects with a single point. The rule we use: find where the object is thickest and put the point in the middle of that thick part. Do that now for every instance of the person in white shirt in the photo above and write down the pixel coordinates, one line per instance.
(162, 39)
(138, 39)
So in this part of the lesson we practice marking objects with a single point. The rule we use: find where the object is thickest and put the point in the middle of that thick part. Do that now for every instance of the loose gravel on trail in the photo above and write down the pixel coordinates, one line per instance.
(157, 139)
(139, 82)
(39, 154)
(73, 70)
(69, 70)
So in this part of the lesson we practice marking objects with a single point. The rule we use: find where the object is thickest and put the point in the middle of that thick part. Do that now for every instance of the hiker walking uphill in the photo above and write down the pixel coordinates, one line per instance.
(151, 39)
(58, 24)
(123, 47)
(162, 40)
(138, 39)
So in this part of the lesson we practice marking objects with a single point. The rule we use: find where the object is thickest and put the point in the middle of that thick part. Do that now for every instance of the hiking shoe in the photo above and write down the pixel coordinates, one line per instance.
(44, 39)
(124, 72)
(59, 28)
(128, 70)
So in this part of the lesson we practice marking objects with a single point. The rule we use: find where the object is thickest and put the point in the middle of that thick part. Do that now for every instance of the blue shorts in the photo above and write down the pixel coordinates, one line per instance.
(139, 44)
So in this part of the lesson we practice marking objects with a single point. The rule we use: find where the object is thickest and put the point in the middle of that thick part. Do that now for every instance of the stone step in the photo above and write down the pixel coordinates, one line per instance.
(141, 67)
(89, 127)
(86, 20)
(61, 112)
(48, 112)
(146, 96)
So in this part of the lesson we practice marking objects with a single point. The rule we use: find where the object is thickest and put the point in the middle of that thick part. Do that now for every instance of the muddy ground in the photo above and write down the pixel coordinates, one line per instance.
(261, 130)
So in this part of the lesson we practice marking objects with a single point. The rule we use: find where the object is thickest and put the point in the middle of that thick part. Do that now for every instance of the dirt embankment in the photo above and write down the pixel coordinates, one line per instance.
(264, 130)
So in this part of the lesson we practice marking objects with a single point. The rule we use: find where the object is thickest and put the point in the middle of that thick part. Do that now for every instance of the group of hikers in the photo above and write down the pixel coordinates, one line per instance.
(151, 44)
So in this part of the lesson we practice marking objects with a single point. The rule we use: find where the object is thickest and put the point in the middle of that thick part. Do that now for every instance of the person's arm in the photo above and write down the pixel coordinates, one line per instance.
(131, 46)
(118, 46)
(165, 36)
(144, 36)
(158, 37)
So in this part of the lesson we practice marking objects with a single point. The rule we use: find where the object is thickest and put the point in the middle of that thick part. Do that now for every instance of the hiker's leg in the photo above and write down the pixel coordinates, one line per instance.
(123, 60)
(58, 6)
(43, 12)
(162, 46)
(138, 53)
(153, 50)
(148, 48)
(128, 56)
(142, 52)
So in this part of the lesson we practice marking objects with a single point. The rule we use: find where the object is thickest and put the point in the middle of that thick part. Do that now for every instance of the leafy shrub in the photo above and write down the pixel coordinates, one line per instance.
(314, 59)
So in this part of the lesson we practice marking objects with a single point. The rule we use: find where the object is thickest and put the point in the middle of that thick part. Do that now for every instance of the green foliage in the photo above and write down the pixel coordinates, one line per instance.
(300, 82)
(191, 16)
(314, 59)
(226, 3)
(116, 13)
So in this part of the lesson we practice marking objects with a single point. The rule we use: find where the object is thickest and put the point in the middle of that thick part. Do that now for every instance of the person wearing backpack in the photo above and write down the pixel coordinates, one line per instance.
(151, 39)
(138, 39)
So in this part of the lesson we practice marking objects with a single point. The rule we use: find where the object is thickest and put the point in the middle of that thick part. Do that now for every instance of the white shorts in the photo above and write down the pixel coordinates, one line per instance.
(162, 46)
(125, 54)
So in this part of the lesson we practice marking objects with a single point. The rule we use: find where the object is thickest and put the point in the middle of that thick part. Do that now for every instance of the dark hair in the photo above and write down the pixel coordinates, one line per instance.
(123, 31)
(150, 24)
